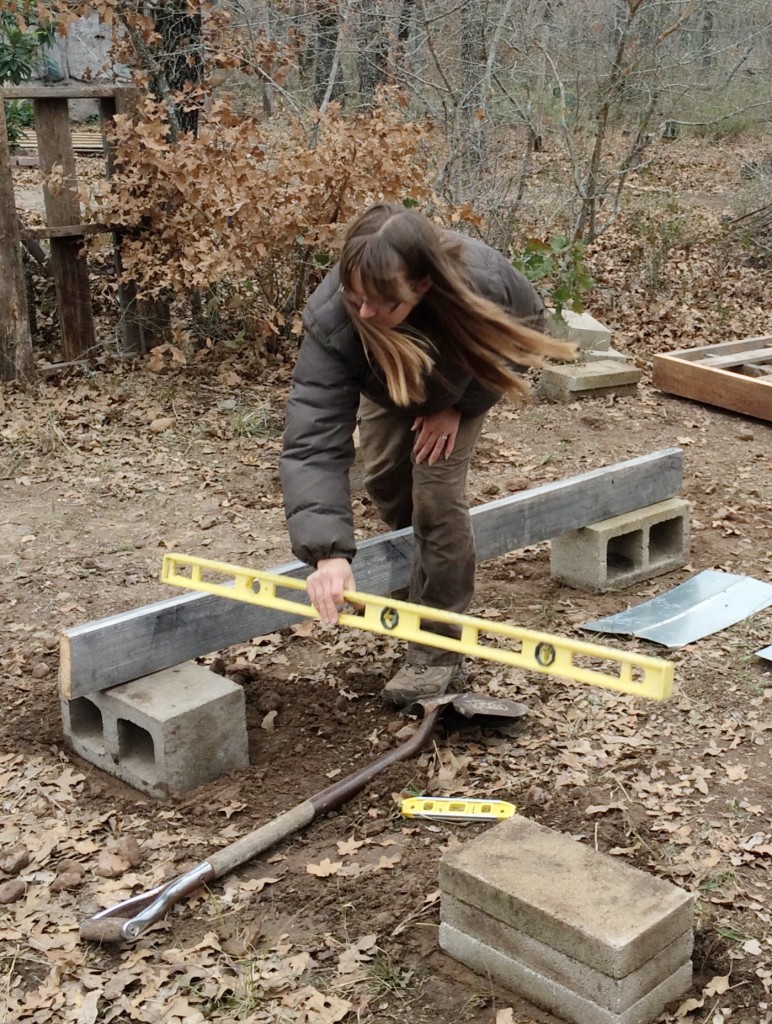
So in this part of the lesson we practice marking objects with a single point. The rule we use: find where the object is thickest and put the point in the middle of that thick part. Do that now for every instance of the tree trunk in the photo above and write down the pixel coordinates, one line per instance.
(16, 360)
(327, 67)
(472, 106)
(708, 29)
(179, 57)
(372, 50)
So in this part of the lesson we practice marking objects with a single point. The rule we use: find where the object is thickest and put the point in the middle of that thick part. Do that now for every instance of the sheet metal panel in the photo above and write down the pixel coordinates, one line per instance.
(706, 603)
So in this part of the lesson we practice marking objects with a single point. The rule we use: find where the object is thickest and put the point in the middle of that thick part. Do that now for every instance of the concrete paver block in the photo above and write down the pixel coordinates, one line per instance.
(581, 328)
(164, 733)
(593, 908)
(592, 355)
(620, 551)
(543, 991)
(581, 380)
(615, 994)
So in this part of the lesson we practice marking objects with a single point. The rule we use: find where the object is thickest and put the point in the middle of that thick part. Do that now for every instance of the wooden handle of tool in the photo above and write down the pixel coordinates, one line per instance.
(261, 839)
(105, 929)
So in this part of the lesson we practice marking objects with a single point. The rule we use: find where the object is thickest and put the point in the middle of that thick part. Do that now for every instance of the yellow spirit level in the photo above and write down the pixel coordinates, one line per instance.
(443, 808)
(582, 662)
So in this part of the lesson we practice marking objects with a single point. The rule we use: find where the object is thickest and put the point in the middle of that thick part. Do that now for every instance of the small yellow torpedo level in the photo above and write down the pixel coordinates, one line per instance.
(448, 808)
(624, 671)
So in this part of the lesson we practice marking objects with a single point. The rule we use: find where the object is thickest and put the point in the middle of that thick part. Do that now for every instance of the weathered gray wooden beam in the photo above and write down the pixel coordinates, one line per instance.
(114, 650)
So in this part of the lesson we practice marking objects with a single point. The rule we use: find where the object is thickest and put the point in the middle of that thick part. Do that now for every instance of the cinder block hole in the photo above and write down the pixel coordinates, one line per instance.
(86, 719)
(135, 747)
(666, 540)
(624, 554)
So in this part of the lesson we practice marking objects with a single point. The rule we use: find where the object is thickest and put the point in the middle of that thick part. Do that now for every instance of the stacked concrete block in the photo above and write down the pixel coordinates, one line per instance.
(584, 330)
(165, 733)
(580, 934)
(572, 381)
(594, 355)
(623, 550)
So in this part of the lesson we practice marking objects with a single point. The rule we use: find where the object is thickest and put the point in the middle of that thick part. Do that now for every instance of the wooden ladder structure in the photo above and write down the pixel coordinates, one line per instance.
(64, 227)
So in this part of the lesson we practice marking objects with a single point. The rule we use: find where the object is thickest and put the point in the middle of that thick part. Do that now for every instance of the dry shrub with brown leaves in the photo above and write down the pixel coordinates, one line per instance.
(254, 209)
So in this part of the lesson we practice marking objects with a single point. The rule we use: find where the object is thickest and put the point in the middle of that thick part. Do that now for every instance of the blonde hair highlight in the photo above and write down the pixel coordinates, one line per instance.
(389, 246)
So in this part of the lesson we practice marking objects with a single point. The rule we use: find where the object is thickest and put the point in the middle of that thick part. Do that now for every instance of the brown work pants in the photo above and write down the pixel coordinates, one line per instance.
(431, 499)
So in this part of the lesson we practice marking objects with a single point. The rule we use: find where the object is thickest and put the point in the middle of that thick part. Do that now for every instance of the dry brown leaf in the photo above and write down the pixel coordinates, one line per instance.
(324, 868)
(257, 884)
(348, 846)
(386, 862)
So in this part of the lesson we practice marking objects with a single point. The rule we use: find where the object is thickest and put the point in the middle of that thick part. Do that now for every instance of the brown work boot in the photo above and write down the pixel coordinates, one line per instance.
(420, 682)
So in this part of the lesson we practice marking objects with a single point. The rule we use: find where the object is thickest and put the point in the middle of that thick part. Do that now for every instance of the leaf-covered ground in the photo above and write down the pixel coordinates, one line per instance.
(104, 471)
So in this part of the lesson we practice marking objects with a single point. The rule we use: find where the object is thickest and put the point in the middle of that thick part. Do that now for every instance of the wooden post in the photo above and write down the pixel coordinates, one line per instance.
(68, 262)
(131, 333)
(15, 338)
(146, 322)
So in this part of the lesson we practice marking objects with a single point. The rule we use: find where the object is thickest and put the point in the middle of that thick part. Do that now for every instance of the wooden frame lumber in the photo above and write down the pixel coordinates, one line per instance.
(714, 375)
(137, 643)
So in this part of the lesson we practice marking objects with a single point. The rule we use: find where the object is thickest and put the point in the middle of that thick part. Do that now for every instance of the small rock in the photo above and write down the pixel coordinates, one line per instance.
(70, 867)
(405, 733)
(158, 426)
(374, 828)
(12, 891)
(268, 721)
(516, 483)
(745, 435)
(40, 670)
(67, 880)
(110, 865)
(129, 849)
(268, 700)
(537, 796)
(14, 860)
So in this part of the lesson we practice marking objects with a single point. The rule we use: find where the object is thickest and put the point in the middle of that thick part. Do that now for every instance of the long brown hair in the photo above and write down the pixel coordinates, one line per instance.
(390, 245)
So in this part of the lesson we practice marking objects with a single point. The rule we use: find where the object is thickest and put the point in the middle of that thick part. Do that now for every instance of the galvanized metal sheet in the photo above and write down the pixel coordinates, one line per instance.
(706, 603)
(766, 652)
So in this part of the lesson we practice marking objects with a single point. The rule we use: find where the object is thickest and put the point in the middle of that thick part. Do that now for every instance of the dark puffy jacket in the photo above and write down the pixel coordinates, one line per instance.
(332, 372)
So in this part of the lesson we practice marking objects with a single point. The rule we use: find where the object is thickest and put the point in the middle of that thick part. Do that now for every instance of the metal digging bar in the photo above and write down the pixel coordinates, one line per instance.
(128, 920)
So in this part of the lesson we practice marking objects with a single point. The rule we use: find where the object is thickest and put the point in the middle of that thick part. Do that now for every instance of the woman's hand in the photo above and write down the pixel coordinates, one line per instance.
(326, 585)
(435, 436)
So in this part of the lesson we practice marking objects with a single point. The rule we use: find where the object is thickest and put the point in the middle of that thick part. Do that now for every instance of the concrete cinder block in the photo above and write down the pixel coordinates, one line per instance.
(593, 379)
(620, 551)
(543, 991)
(164, 733)
(615, 994)
(581, 328)
(593, 908)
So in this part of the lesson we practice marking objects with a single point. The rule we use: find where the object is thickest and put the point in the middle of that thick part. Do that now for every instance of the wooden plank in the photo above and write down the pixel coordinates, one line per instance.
(68, 262)
(82, 141)
(61, 92)
(713, 386)
(692, 355)
(67, 231)
(114, 650)
(759, 355)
